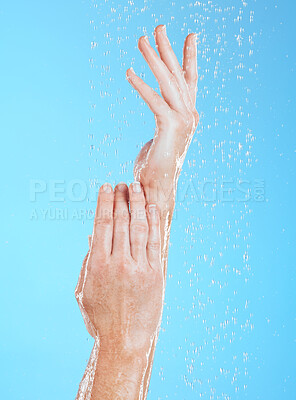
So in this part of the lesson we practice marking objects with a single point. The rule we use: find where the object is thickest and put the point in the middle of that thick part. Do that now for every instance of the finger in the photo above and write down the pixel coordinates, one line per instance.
(168, 56)
(154, 243)
(138, 224)
(103, 223)
(89, 241)
(121, 241)
(166, 80)
(190, 65)
(155, 102)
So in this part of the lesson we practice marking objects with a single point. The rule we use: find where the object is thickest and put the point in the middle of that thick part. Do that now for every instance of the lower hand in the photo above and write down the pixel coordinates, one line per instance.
(120, 288)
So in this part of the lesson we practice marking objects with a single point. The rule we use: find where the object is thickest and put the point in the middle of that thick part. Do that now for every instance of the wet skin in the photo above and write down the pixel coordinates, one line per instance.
(120, 291)
(159, 162)
(157, 167)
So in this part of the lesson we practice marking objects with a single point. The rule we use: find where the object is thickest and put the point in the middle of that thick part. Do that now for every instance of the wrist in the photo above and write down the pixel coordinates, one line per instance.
(132, 361)
(118, 374)
(122, 365)
(123, 350)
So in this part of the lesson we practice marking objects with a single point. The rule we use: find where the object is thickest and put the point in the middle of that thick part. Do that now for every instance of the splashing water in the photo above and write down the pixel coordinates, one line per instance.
(202, 350)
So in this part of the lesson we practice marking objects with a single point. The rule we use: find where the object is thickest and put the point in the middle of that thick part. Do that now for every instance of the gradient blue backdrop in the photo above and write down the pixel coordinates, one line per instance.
(229, 328)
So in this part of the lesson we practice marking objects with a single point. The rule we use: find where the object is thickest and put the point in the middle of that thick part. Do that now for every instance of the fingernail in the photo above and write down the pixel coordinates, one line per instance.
(152, 210)
(195, 38)
(136, 187)
(163, 29)
(146, 38)
(121, 186)
(107, 188)
(133, 73)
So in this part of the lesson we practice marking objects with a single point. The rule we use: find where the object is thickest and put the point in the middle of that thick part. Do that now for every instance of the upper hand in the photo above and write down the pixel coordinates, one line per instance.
(161, 159)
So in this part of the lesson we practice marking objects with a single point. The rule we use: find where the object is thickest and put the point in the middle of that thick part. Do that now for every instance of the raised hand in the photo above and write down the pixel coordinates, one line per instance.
(159, 162)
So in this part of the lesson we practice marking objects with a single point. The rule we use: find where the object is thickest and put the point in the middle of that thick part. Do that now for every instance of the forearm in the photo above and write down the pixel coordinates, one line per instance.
(166, 204)
(147, 376)
(112, 376)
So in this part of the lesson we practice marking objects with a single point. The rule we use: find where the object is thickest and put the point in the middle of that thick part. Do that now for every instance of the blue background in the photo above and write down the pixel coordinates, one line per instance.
(70, 120)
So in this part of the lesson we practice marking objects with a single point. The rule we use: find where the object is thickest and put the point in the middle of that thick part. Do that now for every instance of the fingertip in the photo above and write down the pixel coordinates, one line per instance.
(121, 187)
(193, 36)
(121, 216)
(105, 199)
(135, 187)
(106, 188)
(143, 39)
(137, 201)
(160, 29)
(130, 73)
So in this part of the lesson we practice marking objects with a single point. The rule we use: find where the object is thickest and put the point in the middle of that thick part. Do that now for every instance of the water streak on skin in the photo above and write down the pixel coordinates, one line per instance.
(86, 388)
(86, 385)
(159, 163)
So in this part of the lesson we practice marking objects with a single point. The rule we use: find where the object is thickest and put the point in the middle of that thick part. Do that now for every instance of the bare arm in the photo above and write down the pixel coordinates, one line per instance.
(159, 163)
(120, 293)
(157, 167)
(113, 375)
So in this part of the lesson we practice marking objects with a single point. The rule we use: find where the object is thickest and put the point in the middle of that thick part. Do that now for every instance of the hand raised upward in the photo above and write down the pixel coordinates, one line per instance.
(160, 160)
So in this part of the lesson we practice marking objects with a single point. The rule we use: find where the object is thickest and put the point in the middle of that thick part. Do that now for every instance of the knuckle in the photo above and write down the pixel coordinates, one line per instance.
(154, 245)
(155, 97)
(121, 222)
(103, 222)
(139, 214)
(98, 258)
(124, 263)
(139, 226)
